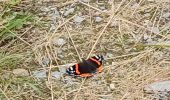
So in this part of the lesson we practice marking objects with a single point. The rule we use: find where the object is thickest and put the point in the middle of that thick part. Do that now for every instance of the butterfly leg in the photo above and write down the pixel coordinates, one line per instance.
(99, 69)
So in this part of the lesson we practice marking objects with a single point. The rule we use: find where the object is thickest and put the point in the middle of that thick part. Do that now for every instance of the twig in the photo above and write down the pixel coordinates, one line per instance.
(129, 22)
(49, 73)
(112, 16)
(19, 37)
(79, 88)
(125, 95)
(72, 41)
(61, 26)
(90, 6)
(4, 94)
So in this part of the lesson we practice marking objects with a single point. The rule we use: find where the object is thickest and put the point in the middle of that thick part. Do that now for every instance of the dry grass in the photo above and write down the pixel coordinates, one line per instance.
(125, 36)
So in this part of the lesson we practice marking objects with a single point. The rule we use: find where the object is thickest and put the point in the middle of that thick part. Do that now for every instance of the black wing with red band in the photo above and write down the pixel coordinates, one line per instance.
(86, 68)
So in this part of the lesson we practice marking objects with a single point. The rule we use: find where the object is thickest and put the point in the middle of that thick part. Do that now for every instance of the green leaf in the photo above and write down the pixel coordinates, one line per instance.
(14, 24)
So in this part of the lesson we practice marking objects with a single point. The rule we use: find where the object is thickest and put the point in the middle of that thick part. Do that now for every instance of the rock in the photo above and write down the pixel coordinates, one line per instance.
(52, 28)
(59, 41)
(146, 36)
(20, 72)
(112, 86)
(45, 9)
(56, 13)
(62, 69)
(109, 55)
(158, 86)
(69, 11)
(78, 19)
(39, 74)
(56, 74)
(155, 30)
(102, 8)
(98, 19)
(159, 96)
(147, 14)
(166, 15)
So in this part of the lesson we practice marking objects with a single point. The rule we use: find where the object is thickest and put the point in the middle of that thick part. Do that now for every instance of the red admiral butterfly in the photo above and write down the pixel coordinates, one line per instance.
(86, 68)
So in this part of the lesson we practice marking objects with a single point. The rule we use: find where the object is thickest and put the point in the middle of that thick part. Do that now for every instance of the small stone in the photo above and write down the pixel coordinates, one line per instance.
(158, 86)
(56, 13)
(109, 55)
(69, 11)
(155, 30)
(147, 14)
(112, 86)
(78, 19)
(98, 19)
(166, 15)
(62, 69)
(59, 41)
(102, 8)
(56, 74)
(146, 36)
(45, 9)
(20, 72)
(39, 74)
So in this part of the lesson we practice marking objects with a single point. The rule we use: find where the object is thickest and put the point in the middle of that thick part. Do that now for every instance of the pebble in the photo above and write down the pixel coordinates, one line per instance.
(112, 86)
(109, 55)
(78, 19)
(39, 74)
(69, 11)
(102, 8)
(20, 72)
(155, 30)
(62, 69)
(56, 74)
(158, 86)
(45, 9)
(98, 19)
(59, 41)
(146, 36)
(166, 15)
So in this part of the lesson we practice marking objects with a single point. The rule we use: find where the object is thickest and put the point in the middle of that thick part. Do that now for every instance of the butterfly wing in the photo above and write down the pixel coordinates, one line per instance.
(87, 66)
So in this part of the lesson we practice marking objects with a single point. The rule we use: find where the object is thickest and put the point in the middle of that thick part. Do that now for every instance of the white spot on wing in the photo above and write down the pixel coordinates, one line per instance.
(71, 68)
(97, 57)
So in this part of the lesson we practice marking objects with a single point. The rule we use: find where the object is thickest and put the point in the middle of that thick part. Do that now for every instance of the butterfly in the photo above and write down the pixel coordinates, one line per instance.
(86, 68)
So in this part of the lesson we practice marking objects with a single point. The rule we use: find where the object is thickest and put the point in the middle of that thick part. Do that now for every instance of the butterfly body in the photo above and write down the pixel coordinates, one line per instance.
(86, 68)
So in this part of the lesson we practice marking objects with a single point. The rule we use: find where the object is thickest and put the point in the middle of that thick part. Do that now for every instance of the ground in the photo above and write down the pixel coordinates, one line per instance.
(132, 35)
